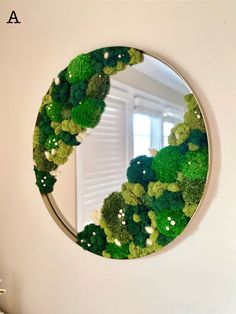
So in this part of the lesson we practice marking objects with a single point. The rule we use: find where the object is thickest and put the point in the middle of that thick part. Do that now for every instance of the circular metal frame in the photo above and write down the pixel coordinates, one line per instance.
(71, 232)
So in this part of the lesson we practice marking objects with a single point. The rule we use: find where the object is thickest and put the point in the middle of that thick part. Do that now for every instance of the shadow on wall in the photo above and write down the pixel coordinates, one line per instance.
(13, 292)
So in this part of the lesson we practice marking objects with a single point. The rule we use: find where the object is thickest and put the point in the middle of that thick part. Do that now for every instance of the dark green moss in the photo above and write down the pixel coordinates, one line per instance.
(169, 200)
(92, 238)
(140, 170)
(44, 180)
(113, 213)
(60, 92)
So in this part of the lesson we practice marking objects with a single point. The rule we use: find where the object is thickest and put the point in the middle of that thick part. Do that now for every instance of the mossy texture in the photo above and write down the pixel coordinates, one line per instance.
(113, 214)
(171, 222)
(167, 163)
(80, 69)
(140, 170)
(92, 238)
(88, 113)
(195, 165)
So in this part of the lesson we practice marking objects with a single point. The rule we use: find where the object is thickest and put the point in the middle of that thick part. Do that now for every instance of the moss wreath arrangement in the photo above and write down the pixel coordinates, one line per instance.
(161, 193)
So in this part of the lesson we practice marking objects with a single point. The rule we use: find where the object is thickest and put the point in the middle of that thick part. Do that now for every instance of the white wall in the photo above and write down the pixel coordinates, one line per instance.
(42, 269)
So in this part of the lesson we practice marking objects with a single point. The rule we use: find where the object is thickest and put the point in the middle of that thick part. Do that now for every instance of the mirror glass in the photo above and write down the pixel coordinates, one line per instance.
(144, 103)
(146, 109)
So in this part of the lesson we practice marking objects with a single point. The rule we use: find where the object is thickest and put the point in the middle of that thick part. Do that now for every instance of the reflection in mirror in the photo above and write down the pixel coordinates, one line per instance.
(139, 166)
(144, 103)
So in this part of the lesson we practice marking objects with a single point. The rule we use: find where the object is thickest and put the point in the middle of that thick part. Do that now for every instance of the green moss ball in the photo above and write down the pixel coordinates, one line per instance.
(113, 213)
(80, 69)
(171, 223)
(88, 113)
(192, 190)
(92, 238)
(98, 86)
(195, 165)
(167, 163)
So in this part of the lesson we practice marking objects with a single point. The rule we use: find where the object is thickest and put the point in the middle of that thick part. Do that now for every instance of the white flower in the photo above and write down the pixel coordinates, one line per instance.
(96, 216)
(117, 242)
(149, 230)
(149, 242)
(153, 151)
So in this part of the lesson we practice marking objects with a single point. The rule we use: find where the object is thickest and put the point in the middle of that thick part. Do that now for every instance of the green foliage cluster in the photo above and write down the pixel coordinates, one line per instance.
(88, 113)
(98, 86)
(80, 69)
(136, 227)
(162, 192)
(41, 162)
(74, 102)
(92, 238)
(167, 163)
(140, 170)
(193, 117)
(195, 165)
(169, 200)
(171, 222)
(60, 91)
(192, 190)
(44, 181)
(115, 251)
(77, 92)
(113, 215)
(131, 193)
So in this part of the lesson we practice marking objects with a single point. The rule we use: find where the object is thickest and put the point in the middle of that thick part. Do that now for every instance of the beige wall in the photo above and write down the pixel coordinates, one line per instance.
(43, 270)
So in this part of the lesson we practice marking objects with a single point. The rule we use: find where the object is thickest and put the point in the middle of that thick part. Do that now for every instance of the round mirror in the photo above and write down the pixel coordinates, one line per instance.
(121, 152)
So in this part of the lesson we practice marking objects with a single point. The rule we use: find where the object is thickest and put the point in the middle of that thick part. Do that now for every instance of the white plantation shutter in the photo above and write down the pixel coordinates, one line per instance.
(102, 157)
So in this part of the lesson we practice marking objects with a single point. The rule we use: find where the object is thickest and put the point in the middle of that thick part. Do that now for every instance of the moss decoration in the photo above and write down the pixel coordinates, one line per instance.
(80, 69)
(41, 162)
(169, 200)
(116, 251)
(167, 163)
(162, 192)
(88, 113)
(193, 117)
(44, 181)
(140, 170)
(195, 165)
(60, 90)
(98, 86)
(137, 227)
(77, 92)
(92, 238)
(132, 192)
(171, 222)
(113, 214)
(54, 112)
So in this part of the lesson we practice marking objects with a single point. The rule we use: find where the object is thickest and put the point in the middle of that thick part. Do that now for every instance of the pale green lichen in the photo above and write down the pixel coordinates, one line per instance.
(137, 251)
(193, 117)
(61, 153)
(131, 193)
(136, 56)
(157, 188)
(36, 136)
(153, 218)
(189, 209)
(136, 218)
(179, 134)
(67, 126)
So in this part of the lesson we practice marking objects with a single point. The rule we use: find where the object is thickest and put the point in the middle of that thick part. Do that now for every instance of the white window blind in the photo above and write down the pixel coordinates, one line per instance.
(102, 158)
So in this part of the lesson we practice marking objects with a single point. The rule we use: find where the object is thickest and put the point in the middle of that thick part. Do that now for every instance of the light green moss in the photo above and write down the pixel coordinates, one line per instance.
(131, 193)
(189, 209)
